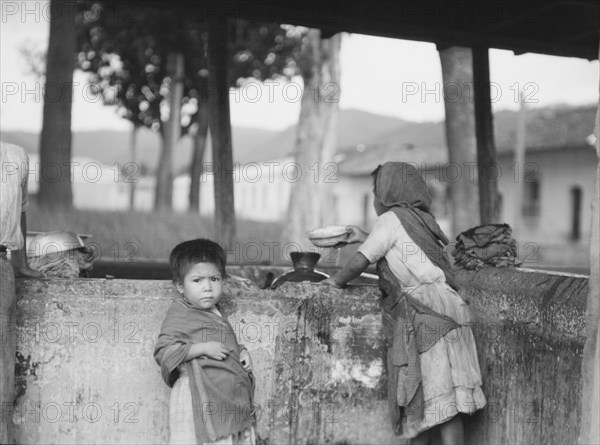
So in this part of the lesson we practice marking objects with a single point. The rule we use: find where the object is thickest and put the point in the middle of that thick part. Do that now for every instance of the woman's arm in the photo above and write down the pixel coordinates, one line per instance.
(353, 268)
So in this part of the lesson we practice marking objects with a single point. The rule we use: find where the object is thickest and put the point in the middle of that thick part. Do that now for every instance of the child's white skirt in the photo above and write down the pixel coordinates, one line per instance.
(181, 419)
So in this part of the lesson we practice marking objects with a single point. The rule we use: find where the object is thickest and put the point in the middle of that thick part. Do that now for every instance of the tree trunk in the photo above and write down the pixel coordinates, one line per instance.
(457, 74)
(55, 145)
(198, 153)
(163, 198)
(329, 99)
(220, 131)
(310, 198)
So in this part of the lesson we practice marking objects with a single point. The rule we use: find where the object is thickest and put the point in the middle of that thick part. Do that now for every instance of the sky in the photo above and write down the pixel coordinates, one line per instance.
(390, 77)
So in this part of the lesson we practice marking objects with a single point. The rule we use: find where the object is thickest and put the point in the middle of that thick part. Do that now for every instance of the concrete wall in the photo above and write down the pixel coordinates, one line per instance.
(86, 373)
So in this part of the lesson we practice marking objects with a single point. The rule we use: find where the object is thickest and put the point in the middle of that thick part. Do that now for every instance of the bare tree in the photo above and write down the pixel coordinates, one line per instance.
(310, 198)
(55, 145)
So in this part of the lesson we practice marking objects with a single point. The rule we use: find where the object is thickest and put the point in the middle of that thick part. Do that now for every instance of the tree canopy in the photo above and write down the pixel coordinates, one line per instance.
(126, 51)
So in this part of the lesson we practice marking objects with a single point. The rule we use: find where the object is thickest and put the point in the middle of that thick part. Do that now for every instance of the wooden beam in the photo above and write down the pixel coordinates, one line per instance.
(534, 11)
(430, 21)
(581, 35)
(220, 128)
(484, 132)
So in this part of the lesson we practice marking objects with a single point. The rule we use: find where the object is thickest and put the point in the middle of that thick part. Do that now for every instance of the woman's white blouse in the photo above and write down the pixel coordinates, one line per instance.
(405, 258)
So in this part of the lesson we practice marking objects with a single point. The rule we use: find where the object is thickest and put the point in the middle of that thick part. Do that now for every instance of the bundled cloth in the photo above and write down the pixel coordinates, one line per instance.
(60, 254)
(67, 264)
(486, 245)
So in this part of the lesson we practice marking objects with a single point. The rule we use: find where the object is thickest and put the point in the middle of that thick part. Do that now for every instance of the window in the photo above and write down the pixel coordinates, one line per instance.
(531, 197)
(576, 195)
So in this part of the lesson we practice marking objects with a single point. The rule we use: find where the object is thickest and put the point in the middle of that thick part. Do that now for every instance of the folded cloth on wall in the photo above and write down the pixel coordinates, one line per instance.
(486, 245)
(67, 264)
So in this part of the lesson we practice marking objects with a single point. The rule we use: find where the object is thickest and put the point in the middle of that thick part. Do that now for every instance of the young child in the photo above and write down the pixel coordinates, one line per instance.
(433, 371)
(210, 374)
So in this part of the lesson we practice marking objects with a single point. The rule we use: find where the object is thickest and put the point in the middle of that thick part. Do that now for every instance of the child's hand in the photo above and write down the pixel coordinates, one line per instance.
(215, 350)
(246, 360)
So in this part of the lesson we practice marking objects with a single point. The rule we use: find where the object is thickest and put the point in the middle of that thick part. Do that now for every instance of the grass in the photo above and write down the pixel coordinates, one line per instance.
(135, 235)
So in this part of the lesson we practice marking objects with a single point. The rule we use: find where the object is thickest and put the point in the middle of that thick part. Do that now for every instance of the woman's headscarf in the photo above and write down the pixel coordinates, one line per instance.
(399, 187)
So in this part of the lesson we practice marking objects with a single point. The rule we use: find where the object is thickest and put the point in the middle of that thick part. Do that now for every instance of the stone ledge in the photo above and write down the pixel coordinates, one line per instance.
(319, 347)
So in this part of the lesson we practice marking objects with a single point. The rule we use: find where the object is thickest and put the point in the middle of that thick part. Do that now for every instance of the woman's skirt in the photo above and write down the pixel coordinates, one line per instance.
(450, 373)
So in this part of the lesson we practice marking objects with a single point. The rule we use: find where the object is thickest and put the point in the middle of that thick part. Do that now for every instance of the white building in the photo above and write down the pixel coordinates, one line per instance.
(95, 185)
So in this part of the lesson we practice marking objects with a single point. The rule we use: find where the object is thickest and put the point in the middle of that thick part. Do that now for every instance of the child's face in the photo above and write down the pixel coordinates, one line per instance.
(202, 285)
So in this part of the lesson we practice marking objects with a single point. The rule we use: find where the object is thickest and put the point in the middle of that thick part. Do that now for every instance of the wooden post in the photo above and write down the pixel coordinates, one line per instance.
(519, 168)
(589, 432)
(220, 130)
(484, 131)
(457, 72)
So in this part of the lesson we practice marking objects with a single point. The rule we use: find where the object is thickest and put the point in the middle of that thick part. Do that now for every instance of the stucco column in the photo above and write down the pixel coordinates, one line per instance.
(457, 75)
(590, 394)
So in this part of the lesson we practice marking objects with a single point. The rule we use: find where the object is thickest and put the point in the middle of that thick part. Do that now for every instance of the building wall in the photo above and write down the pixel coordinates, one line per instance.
(354, 201)
(85, 371)
(354, 197)
(546, 238)
(543, 240)
(261, 191)
(95, 185)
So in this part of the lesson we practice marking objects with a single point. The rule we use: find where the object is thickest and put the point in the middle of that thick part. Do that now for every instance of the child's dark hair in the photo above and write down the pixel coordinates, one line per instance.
(188, 253)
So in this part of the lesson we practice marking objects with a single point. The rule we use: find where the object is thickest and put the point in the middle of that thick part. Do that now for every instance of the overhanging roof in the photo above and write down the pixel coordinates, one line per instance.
(555, 27)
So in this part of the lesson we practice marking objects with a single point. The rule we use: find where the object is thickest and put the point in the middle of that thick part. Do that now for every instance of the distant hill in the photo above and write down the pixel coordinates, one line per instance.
(354, 127)
(546, 128)
(249, 144)
(113, 146)
(549, 128)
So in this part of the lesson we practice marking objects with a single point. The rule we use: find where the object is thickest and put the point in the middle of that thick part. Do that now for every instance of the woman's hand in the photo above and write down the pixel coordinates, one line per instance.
(215, 350)
(246, 360)
(357, 235)
(24, 271)
(330, 282)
